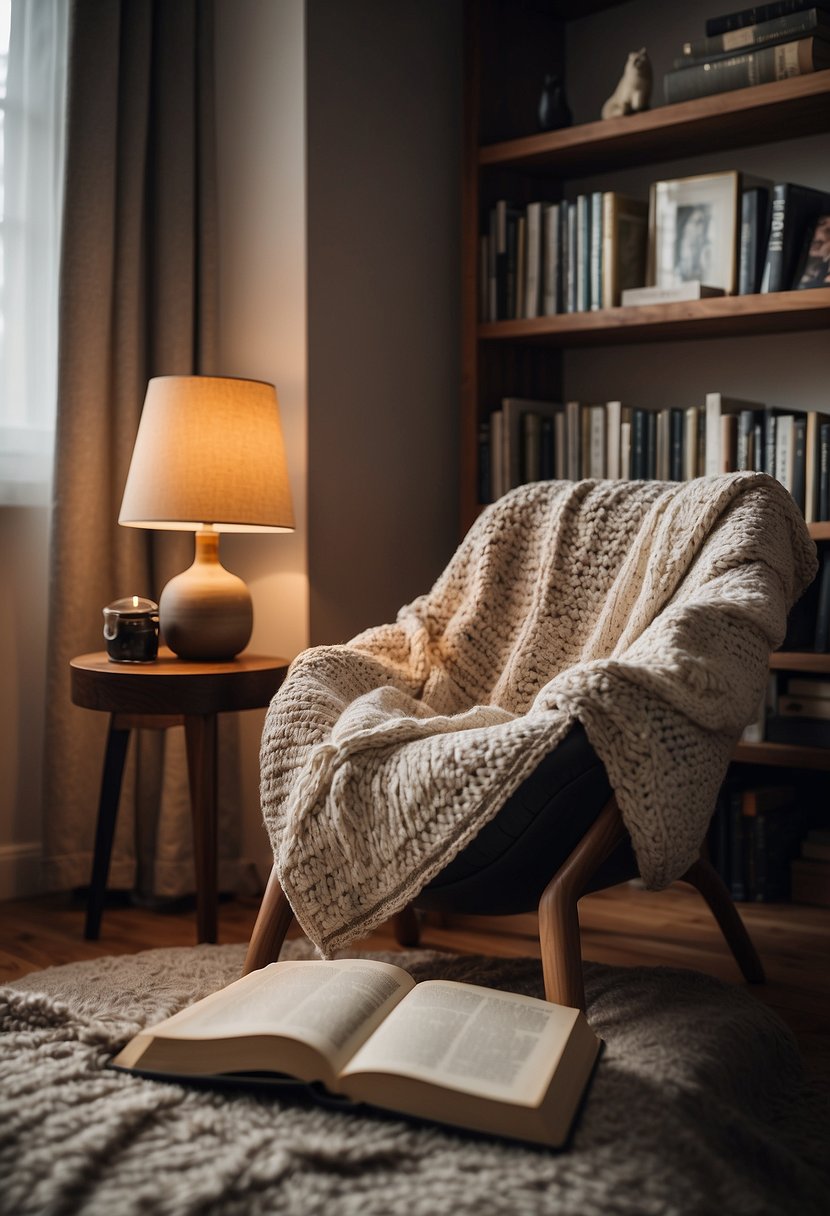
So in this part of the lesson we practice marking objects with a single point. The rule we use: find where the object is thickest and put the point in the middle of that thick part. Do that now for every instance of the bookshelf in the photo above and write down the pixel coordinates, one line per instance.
(509, 46)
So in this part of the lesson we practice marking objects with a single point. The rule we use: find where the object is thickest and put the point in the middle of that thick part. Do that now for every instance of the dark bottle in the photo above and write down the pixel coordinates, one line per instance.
(554, 111)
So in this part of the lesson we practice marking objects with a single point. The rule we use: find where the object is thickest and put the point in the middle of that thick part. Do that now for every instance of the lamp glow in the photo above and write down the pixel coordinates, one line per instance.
(209, 457)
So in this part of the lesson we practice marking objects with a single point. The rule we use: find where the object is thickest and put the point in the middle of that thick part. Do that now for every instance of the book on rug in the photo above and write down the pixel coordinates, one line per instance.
(478, 1058)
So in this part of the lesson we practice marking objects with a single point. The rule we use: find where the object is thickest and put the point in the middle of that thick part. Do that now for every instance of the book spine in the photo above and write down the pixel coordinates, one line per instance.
(740, 71)
(596, 464)
(757, 14)
(571, 263)
(651, 445)
(531, 447)
(547, 467)
(533, 272)
(799, 461)
(609, 276)
(638, 445)
(562, 261)
(761, 33)
(595, 289)
(550, 289)
(484, 475)
(824, 472)
(746, 423)
(773, 275)
(583, 253)
(821, 641)
(769, 443)
(625, 451)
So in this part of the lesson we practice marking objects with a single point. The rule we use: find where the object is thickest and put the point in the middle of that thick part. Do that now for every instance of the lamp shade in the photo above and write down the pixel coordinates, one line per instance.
(209, 453)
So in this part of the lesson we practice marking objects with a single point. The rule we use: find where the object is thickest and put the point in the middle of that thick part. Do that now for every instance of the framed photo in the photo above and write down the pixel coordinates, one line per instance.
(693, 231)
(814, 265)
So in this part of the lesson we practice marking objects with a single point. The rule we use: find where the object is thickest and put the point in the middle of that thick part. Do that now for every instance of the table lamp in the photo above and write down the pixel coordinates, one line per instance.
(208, 458)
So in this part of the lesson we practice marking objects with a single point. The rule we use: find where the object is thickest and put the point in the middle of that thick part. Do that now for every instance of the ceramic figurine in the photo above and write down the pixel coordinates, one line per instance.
(553, 106)
(633, 92)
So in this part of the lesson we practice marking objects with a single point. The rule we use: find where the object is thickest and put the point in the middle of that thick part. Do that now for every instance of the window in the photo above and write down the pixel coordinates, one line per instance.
(33, 43)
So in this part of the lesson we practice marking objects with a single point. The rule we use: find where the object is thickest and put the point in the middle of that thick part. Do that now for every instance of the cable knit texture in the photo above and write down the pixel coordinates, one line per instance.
(644, 610)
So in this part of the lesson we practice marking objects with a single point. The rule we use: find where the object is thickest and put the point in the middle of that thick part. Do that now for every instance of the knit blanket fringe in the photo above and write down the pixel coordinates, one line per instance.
(646, 611)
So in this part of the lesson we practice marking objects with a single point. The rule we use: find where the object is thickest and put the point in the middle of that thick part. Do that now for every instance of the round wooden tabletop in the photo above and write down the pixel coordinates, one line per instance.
(170, 685)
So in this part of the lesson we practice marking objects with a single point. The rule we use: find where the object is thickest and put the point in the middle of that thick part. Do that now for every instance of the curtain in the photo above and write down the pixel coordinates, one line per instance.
(138, 293)
(31, 151)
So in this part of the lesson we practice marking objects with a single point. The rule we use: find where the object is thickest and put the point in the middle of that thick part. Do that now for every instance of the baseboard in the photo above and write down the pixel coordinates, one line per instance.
(20, 870)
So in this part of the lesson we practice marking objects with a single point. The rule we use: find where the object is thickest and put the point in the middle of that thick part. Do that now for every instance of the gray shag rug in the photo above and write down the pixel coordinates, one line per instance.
(698, 1105)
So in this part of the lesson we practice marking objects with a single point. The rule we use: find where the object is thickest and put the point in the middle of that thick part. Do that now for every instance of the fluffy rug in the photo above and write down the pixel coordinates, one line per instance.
(698, 1106)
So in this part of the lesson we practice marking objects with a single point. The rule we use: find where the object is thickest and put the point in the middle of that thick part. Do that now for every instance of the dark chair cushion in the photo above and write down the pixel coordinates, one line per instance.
(507, 866)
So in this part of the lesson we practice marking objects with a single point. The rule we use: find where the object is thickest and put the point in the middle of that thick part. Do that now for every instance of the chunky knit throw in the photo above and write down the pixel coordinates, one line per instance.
(644, 610)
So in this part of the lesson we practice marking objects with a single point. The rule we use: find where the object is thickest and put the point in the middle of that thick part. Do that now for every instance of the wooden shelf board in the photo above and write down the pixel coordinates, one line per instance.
(784, 755)
(764, 113)
(718, 317)
(800, 660)
(820, 531)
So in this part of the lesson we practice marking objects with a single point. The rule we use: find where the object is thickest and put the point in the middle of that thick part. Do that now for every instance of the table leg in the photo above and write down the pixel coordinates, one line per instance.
(113, 771)
(200, 736)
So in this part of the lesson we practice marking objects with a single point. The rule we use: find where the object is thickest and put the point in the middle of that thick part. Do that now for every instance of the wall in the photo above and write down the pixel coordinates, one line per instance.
(786, 370)
(384, 114)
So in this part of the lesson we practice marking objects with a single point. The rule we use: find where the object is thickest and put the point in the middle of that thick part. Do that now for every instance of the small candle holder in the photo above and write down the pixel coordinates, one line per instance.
(131, 630)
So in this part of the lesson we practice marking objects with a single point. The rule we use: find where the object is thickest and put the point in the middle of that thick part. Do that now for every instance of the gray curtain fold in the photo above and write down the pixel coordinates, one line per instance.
(138, 298)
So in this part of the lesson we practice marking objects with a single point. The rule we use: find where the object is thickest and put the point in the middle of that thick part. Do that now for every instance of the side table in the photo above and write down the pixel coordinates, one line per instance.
(155, 696)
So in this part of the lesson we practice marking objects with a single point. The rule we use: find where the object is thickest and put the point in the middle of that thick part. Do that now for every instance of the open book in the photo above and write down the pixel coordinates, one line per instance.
(475, 1057)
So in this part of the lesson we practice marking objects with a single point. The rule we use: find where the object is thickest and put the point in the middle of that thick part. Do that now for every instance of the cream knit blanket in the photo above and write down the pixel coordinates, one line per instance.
(646, 611)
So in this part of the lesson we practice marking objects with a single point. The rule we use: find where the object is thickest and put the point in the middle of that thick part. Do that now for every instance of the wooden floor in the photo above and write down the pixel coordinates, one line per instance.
(625, 926)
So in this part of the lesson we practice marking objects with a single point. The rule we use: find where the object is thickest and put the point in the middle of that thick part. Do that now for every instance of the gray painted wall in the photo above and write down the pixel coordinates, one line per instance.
(384, 87)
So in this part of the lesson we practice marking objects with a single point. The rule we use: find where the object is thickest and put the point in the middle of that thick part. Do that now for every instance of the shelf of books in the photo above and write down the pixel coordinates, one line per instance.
(782, 109)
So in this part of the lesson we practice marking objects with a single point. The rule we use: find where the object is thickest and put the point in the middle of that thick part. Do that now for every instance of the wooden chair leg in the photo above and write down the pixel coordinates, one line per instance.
(406, 928)
(703, 876)
(558, 915)
(272, 924)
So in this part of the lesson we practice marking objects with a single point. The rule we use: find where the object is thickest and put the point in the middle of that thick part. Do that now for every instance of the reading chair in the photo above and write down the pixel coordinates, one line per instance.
(557, 838)
(640, 613)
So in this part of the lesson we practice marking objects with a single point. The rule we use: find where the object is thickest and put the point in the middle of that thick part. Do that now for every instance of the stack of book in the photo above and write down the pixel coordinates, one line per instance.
(550, 258)
(754, 835)
(810, 873)
(526, 440)
(753, 46)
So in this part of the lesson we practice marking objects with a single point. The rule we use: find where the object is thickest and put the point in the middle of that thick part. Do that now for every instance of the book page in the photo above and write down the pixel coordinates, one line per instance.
(331, 1005)
(477, 1040)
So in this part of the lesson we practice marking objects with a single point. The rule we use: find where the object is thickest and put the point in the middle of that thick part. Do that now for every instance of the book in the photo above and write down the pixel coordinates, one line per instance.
(497, 471)
(740, 71)
(617, 415)
(758, 13)
(784, 450)
(810, 882)
(595, 252)
(533, 260)
(754, 235)
(798, 732)
(514, 411)
(815, 851)
(764, 834)
(624, 245)
(821, 641)
(484, 475)
(691, 469)
(813, 269)
(782, 28)
(583, 252)
(799, 460)
(812, 469)
(554, 243)
(824, 472)
(573, 440)
(718, 406)
(597, 431)
(571, 260)
(690, 290)
(793, 209)
(490, 1061)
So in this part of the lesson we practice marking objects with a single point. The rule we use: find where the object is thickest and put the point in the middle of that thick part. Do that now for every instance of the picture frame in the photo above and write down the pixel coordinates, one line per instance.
(693, 231)
(814, 263)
